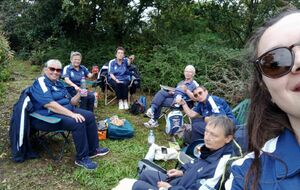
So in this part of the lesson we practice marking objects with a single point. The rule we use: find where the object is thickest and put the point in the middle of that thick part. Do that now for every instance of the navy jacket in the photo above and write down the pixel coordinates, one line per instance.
(221, 108)
(204, 174)
(280, 165)
(19, 130)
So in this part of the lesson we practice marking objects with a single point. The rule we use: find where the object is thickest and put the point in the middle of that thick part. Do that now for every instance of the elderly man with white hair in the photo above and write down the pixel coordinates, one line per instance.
(165, 98)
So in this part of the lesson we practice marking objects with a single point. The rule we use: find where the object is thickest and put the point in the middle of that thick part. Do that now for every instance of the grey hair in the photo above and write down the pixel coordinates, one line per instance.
(191, 67)
(75, 53)
(53, 62)
(223, 122)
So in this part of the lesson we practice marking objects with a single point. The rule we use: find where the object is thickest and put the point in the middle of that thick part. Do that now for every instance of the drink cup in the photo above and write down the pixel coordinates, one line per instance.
(83, 92)
(95, 69)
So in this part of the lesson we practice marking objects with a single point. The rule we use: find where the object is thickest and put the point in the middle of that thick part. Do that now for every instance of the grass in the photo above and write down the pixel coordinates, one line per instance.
(45, 173)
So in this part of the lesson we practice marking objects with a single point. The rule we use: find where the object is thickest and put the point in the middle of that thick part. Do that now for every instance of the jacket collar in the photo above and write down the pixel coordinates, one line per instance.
(226, 149)
(72, 67)
(286, 152)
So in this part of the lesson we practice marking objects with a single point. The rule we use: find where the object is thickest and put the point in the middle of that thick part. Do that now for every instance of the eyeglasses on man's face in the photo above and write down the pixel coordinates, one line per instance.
(52, 69)
(277, 62)
(197, 94)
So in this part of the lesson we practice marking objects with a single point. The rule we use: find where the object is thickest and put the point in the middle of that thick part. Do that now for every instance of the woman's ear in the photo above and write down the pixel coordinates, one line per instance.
(228, 138)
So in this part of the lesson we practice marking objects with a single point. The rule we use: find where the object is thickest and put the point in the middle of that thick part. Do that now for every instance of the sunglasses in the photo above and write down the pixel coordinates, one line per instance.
(198, 94)
(277, 62)
(54, 69)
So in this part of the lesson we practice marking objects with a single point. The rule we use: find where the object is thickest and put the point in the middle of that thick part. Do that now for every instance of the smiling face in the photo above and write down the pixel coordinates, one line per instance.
(76, 60)
(285, 91)
(188, 73)
(53, 70)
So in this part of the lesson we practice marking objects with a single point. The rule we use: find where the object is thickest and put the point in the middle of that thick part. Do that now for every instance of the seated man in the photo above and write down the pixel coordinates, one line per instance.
(204, 172)
(165, 98)
(49, 97)
(207, 106)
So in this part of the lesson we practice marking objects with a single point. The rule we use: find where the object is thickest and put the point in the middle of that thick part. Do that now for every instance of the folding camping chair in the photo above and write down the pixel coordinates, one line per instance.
(41, 137)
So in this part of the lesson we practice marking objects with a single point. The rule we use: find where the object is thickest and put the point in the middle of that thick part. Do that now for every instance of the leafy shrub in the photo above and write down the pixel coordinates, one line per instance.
(5, 55)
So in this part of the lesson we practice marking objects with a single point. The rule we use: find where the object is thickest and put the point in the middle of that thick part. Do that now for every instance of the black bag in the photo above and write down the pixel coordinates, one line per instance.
(139, 106)
(145, 164)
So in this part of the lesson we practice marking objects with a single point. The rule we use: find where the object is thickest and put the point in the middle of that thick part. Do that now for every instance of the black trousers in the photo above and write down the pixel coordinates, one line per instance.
(121, 89)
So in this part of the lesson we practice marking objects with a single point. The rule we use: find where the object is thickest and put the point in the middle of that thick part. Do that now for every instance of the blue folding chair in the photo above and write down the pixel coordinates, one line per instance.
(41, 137)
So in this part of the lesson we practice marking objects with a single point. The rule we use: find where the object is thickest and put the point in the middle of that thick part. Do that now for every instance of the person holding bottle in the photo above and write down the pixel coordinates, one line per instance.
(75, 76)
(49, 97)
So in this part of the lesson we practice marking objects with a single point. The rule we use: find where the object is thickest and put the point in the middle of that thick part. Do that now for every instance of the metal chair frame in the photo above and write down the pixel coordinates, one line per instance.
(41, 137)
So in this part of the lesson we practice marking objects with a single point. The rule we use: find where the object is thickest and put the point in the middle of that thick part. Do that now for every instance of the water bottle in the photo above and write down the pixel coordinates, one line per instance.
(83, 91)
(96, 99)
(151, 137)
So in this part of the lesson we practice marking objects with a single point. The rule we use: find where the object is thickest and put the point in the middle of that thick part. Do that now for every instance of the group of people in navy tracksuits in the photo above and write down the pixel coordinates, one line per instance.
(273, 121)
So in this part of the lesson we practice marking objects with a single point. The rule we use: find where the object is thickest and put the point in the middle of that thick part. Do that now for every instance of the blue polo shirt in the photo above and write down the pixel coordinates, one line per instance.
(121, 72)
(214, 105)
(74, 75)
(192, 85)
(44, 91)
(280, 165)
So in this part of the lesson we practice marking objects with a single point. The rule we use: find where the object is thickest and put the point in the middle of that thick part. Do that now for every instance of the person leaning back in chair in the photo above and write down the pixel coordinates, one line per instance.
(73, 73)
(49, 97)
(207, 106)
(204, 172)
(164, 98)
(119, 77)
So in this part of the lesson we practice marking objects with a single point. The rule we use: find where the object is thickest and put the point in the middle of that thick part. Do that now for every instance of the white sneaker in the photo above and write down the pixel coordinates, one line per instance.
(121, 105)
(126, 105)
(151, 123)
(150, 113)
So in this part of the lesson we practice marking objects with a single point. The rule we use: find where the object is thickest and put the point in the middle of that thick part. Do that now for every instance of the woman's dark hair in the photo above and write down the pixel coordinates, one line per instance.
(266, 120)
(120, 48)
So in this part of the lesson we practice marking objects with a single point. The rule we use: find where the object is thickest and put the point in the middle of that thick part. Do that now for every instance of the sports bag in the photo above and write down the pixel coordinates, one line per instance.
(139, 106)
(145, 164)
(174, 121)
(119, 132)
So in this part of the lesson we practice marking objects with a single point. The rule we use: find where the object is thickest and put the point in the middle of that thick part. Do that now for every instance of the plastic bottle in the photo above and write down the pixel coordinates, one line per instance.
(151, 138)
(83, 91)
(96, 99)
(83, 83)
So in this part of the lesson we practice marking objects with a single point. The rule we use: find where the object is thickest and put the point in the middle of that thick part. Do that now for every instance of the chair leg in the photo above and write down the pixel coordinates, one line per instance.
(107, 96)
(41, 140)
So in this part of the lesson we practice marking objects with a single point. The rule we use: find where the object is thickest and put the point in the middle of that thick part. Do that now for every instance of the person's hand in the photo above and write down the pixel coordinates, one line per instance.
(206, 119)
(183, 87)
(77, 88)
(171, 92)
(180, 101)
(163, 184)
(174, 173)
(118, 81)
(78, 117)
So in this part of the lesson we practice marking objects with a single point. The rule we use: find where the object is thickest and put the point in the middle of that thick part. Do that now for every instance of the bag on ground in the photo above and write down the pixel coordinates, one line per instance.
(174, 122)
(119, 132)
(139, 106)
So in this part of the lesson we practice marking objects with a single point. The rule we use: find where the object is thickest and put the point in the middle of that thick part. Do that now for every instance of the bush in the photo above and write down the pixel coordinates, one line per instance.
(5, 56)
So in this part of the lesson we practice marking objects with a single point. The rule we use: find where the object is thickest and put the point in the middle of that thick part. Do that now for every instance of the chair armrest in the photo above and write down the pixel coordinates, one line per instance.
(48, 119)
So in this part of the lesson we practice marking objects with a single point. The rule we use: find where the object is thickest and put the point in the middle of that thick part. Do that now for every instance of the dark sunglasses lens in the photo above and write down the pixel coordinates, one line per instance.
(53, 69)
(276, 63)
